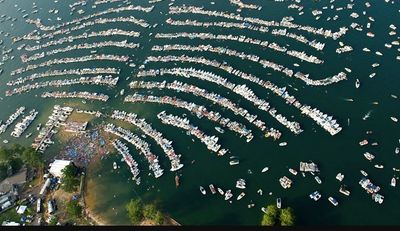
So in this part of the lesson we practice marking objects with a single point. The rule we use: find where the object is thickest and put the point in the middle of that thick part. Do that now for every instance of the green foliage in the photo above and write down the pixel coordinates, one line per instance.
(69, 180)
(3, 171)
(4, 154)
(16, 164)
(135, 211)
(151, 212)
(74, 210)
(53, 221)
(32, 158)
(69, 171)
(271, 216)
(275, 216)
(287, 217)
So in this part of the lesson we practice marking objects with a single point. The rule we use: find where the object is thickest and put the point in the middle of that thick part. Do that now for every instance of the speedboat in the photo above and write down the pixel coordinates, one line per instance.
(278, 202)
(333, 201)
(264, 209)
(369, 156)
(221, 191)
(212, 188)
(283, 144)
(228, 194)
(220, 130)
(364, 173)
(393, 182)
(233, 162)
(357, 83)
(344, 191)
(318, 179)
(241, 195)
(294, 172)
(202, 190)
(265, 169)
(315, 196)
(115, 165)
(251, 205)
(397, 150)
(394, 119)
(378, 166)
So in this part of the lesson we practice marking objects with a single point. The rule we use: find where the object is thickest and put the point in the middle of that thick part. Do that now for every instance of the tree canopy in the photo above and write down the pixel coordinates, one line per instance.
(74, 210)
(135, 211)
(32, 158)
(275, 216)
(69, 180)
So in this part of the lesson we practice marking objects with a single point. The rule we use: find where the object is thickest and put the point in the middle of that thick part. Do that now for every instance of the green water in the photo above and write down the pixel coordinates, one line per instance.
(340, 153)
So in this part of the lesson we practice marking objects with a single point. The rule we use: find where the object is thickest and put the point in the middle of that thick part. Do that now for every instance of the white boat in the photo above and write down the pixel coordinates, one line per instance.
(372, 75)
(5, 141)
(394, 119)
(122, 92)
(344, 191)
(115, 165)
(241, 183)
(278, 202)
(366, 116)
(241, 195)
(333, 201)
(264, 210)
(220, 130)
(369, 156)
(228, 194)
(393, 182)
(283, 144)
(315, 196)
(318, 179)
(378, 166)
(221, 191)
(202, 190)
(364, 173)
(340, 176)
(233, 162)
(294, 172)
(251, 205)
(265, 169)
(397, 150)
(357, 84)
(348, 69)
(28, 135)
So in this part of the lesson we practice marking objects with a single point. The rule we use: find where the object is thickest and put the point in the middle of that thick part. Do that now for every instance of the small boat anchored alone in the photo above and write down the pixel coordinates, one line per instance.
(202, 190)
(265, 169)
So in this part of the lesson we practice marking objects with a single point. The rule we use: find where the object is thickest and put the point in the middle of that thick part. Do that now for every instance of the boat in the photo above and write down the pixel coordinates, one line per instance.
(228, 194)
(378, 166)
(366, 116)
(318, 179)
(202, 190)
(357, 84)
(349, 99)
(369, 156)
(221, 191)
(251, 205)
(115, 165)
(375, 65)
(340, 176)
(363, 142)
(259, 191)
(396, 169)
(348, 69)
(241, 195)
(393, 182)
(122, 92)
(241, 183)
(177, 181)
(377, 198)
(364, 173)
(294, 172)
(220, 130)
(278, 202)
(264, 210)
(397, 150)
(344, 191)
(374, 144)
(372, 75)
(28, 135)
(265, 169)
(333, 201)
(394, 119)
(315, 196)
(233, 162)
(212, 188)
(283, 144)
(5, 141)
(38, 127)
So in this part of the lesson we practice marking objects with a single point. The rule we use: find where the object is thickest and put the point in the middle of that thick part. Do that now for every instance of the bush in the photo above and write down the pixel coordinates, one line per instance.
(74, 210)
(287, 217)
(275, 216)
(135, 211)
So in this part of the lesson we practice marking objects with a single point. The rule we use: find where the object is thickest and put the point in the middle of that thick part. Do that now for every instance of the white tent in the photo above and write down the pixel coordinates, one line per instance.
(57, 166)
(21, 209)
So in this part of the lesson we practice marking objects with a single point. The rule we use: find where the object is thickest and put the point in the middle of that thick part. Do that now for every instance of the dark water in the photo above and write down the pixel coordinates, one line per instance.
(340, 153)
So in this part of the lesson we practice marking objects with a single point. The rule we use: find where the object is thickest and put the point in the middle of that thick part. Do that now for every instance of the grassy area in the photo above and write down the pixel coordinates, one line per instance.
(10, 215)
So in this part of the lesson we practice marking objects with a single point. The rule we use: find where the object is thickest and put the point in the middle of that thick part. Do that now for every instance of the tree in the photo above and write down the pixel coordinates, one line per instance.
(74, 210)
(32, 158)
(151, 212)
(16, 164)
(159, 218)
(287, 217)
(3, 171)
(53, 221)
(4, 154)
(271, 216)
(69, 181)
(135, 211)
